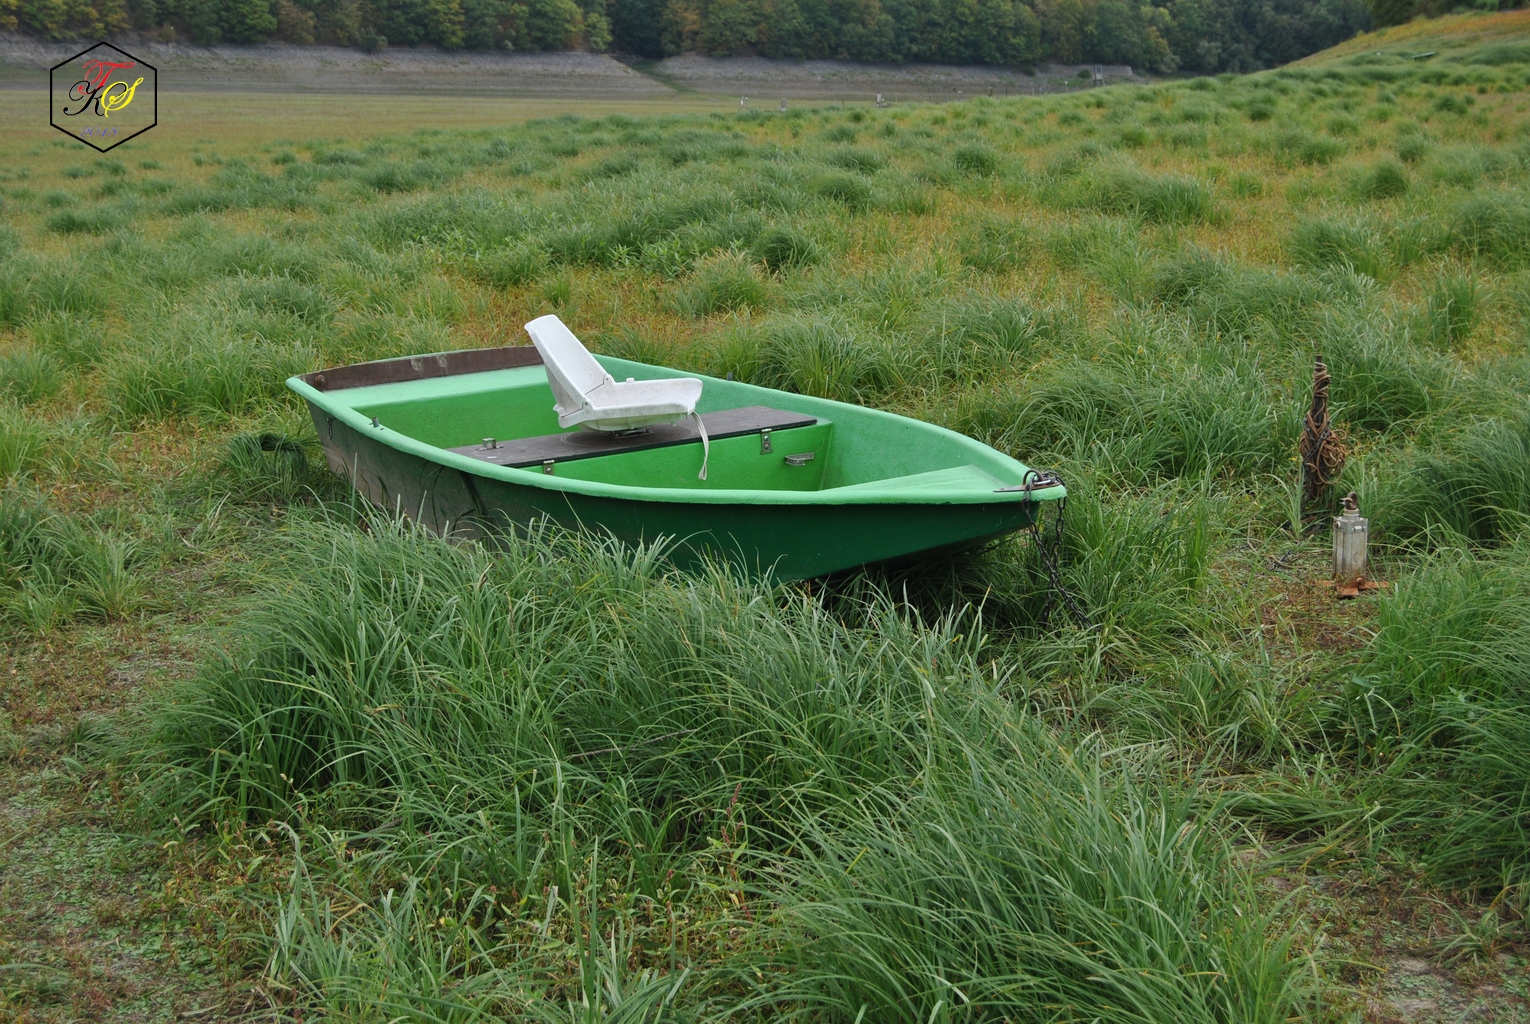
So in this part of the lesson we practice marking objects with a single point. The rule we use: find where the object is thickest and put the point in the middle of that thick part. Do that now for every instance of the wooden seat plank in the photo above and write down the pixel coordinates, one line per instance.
(585, 444)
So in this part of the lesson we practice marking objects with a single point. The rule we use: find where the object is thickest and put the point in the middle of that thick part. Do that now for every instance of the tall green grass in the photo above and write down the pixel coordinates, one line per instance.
(23, 441)
(813, 355)
(994, 244)
(273, 466)
(27, 375)
(1494, 227)
(33, 287)
(204, 364)
(936, 902)
(1386, 180)
(1224, 298)
(1166, 198)
(54, 568)
(1451, 309)
(782, 248)
(721, 284)
(1471, 480)
(1326, 243)
(66, 339)
(1382, 380)
(913, 842)
(1125, 416)
(1442, 700)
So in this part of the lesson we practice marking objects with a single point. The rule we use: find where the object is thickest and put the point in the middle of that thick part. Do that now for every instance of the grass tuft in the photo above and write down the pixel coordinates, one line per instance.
(782, 248)
(817, 355)
(1162, 198)
(200, 365)
(848, 189)
(1451, 311)
(1495, 228)
(1386, 180)
(975, 159)
(1472, 482)
(22, 442)
(511, 266)
(273, 467)
(994, 244)
(1443, 698)
(27, 375)
(54, 568)
(1325, 243)
(1297, 146)
(721, 284)
(723, 714)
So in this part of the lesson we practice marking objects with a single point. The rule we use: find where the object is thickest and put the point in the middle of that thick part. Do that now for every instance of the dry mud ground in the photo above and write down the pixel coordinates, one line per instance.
(281, 68)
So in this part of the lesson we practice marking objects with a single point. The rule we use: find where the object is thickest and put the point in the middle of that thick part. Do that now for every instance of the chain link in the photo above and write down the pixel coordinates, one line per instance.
(1049, 545)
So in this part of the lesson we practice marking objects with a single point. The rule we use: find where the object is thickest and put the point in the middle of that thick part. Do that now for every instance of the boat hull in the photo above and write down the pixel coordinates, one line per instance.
(788, 540)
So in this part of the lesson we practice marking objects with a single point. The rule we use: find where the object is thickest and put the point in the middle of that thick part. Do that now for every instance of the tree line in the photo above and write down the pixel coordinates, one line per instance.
(1205, 36)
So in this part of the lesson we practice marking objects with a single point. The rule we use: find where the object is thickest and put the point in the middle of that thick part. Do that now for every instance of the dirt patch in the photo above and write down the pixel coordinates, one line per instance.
(1405, 952)
(86, 925)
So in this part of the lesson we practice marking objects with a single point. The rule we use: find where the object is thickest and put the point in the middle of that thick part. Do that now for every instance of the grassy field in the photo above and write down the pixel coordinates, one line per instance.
(270, 754)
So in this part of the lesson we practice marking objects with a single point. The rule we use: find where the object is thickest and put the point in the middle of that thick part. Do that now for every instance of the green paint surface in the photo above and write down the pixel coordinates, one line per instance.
(879, 486)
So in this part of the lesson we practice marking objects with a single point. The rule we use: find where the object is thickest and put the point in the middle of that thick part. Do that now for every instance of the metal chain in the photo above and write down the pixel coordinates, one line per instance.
(1050, 547)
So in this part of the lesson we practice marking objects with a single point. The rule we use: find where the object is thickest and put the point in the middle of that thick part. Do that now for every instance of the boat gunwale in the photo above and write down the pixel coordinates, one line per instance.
(420, 369)
(403, 369)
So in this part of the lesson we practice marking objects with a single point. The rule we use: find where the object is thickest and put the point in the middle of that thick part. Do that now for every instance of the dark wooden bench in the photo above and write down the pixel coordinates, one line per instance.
(585, 444)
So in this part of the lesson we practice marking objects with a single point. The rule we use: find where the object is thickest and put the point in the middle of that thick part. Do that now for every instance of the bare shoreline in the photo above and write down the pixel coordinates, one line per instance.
(285, 68)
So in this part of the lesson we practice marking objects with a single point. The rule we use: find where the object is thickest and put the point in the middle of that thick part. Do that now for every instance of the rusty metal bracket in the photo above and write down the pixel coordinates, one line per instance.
(1349, 590)
(1034, 480)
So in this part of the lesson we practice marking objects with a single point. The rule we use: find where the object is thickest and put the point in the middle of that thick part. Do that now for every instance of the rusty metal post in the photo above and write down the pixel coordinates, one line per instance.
(1322, 452)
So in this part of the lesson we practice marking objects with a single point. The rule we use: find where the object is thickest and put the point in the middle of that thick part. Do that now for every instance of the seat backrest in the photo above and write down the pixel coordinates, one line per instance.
(571, 370)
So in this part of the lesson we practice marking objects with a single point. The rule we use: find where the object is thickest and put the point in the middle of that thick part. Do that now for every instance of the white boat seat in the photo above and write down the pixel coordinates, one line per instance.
(585, 395)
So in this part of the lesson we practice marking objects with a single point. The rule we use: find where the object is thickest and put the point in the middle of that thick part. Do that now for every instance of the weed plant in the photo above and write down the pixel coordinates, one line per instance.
(1451, 311)
(273, 467)
(1472, 481)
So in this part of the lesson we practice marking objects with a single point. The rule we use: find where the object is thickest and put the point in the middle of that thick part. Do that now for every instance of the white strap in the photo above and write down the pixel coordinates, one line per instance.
(706, 446)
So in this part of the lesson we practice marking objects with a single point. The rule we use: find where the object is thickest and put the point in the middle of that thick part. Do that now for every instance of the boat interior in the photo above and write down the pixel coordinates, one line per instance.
(474, 405)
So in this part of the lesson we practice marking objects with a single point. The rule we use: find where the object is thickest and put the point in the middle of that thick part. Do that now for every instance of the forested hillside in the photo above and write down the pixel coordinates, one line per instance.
(1191, 35)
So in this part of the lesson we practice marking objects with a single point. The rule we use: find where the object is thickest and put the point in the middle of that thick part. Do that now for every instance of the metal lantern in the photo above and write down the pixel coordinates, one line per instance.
(1351, 532)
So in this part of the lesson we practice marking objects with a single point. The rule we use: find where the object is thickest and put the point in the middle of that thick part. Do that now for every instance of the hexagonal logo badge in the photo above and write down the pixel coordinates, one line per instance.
(103, 96)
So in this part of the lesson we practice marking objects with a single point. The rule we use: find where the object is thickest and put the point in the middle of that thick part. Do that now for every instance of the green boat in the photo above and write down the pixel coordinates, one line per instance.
(470, 442)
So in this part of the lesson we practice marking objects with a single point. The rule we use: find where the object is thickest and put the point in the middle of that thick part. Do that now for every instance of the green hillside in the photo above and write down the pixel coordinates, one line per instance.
(1474, 39)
